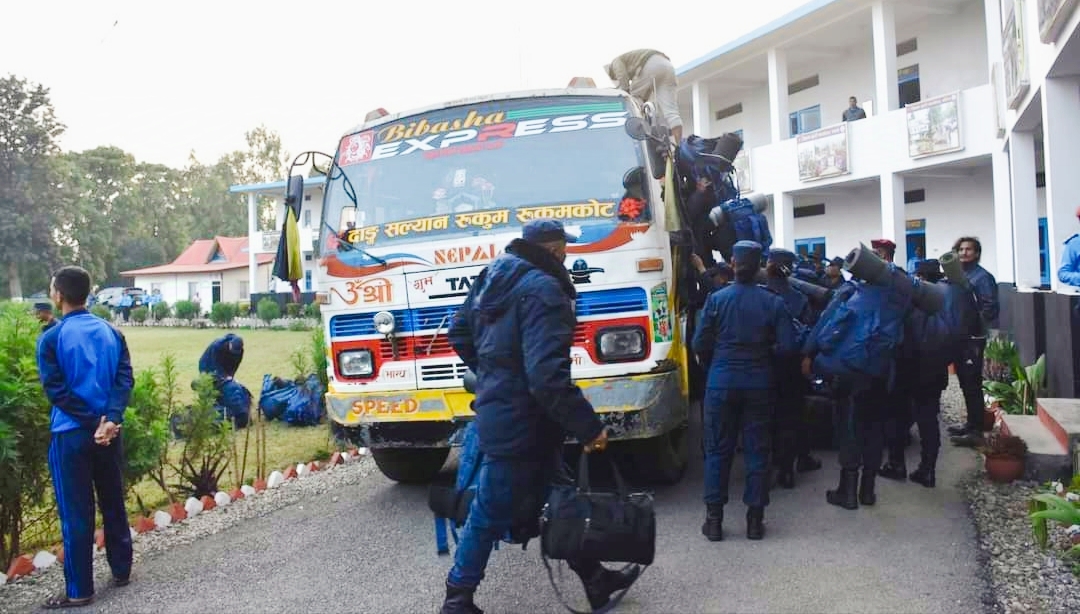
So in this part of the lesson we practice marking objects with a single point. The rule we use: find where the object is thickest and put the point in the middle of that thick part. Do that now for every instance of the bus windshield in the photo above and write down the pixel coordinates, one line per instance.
(481, 168)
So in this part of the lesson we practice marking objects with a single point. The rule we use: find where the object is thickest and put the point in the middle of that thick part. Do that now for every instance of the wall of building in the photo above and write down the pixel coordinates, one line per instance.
(951, 56)
(178, 287)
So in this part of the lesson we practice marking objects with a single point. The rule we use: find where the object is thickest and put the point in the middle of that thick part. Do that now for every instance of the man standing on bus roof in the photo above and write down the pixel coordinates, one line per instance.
(649, 75)
(514, 331)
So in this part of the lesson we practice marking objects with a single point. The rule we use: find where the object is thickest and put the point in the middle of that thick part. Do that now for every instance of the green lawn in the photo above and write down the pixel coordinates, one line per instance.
(265, 351)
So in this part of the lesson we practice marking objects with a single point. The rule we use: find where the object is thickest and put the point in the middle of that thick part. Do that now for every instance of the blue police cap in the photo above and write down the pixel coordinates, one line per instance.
(747, 252)
(43, 306)
(837, 262)
(546, 230)
(782, 257)
(929, 270)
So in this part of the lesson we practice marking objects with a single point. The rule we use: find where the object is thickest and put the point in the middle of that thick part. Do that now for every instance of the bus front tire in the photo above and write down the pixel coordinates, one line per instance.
(662, 459)
(410, 465)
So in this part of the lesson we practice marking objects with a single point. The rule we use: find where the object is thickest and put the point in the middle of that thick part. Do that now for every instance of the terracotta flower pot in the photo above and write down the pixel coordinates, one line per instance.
(989, 418)
(1004, 469)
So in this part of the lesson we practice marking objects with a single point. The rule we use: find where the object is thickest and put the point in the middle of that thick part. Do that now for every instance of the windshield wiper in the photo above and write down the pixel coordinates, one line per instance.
(354, 247)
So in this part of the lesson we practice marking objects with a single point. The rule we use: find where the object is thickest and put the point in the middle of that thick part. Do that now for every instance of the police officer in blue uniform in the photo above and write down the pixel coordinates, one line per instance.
(743, 330)
(514, 331)
(792, 441)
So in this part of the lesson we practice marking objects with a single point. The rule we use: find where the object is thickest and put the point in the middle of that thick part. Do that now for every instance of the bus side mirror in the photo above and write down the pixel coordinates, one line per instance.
(635, 127)
(469, 381)
(294, 194)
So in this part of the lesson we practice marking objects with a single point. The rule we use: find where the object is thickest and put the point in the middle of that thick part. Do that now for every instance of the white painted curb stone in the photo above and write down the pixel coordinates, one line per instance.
(248, 490)
(134, 534)
(3, 579)
(302, 470)
(44, 560)
(193, 506)
(162, 519)
(222, 499)
(275, 479)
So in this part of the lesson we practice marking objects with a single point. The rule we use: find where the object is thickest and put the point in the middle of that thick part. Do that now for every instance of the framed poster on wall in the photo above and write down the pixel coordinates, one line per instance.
(823, 153)
(1053, 14)
(933, 126)
(1014, 56)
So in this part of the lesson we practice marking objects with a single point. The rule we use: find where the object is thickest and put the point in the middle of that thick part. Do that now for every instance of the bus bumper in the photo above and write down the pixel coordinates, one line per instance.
(632, 407)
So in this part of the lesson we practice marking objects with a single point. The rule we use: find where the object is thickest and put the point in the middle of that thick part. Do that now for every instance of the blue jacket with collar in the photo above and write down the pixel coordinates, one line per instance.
(85, 369)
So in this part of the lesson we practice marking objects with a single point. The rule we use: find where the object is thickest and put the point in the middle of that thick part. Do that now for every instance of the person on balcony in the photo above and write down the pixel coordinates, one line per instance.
(854, 111)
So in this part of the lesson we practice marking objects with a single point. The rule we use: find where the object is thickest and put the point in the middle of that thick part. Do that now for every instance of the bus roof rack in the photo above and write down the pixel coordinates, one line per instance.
(582, 82)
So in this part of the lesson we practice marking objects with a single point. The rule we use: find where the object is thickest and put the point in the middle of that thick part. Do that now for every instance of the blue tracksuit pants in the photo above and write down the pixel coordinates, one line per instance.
(79, 468)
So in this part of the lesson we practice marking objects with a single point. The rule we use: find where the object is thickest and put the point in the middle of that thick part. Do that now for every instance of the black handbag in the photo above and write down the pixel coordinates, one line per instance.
(578, 523)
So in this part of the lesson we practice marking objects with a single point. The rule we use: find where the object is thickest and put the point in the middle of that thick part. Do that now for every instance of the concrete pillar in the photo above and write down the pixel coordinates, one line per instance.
(1061, 150)
(1025, 210)
(783, 231)
(886, 90)
(992, 13)
(1003, 219)
(699, 102)
(253, 229)
(894, 215)
(779, 123)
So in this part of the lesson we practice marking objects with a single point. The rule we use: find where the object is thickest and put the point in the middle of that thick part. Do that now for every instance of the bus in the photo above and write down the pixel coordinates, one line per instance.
(417, 203)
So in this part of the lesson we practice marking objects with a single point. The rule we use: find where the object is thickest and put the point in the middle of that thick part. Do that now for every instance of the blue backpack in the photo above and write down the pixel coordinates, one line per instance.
(948, 327)
(694, 166)
(749, 224)
(859, 333)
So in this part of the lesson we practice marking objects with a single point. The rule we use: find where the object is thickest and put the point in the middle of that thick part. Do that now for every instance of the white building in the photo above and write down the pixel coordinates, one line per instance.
(972, 128)
(267, 242)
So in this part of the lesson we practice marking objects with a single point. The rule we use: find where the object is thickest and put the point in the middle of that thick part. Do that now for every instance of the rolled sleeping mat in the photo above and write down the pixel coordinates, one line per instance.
(928, 297)
(814, 292)
(865, 265)
(719, 217)
(759, 201)
(469, 381)
(950, 264)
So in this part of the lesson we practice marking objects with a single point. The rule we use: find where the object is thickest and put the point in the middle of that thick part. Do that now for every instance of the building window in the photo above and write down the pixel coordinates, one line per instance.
(1044, 253)
(734, 109)
(307, 218)
(192, 290)
(813, 247)
(908, 80)
(244, 290)
(307, 280)
(916, 243)
(806, 120)
(739, 132)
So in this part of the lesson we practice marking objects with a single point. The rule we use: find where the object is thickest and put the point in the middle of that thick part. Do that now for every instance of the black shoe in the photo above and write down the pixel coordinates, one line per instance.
(866, 487)
(755, 523)
(846, 494)
(603, 582)
(459, 600)
(713, 529)
(924, 476)
(893, 471)
(957, 430)
(806, 463)
(967, 440)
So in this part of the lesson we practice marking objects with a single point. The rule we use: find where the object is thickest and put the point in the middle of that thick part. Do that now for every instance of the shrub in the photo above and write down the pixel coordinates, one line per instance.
(243, 309)
(102, 312)
(299, 326)
(312, 310)
(204, 458)
(146, 430)
(24, 427)
(268, 310)
(1004, 446)
(185, 310)
(140, 314)
(161, 311)
(319, 357)
(223, 314)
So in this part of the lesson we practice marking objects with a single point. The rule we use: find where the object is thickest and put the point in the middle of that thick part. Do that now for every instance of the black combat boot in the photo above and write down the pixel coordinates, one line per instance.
(846, 494)
(866, 487)
(602, 582)
(755, 523)
(806, 463)
(713, 529)
(924, 475)
(459, 600)
(894, 469)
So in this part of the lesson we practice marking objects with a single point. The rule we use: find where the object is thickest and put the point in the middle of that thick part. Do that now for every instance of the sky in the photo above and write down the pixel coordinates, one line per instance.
(162, 83)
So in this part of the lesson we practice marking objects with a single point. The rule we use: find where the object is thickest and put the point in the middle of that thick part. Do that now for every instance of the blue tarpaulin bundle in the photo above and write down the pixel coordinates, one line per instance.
(298, 404)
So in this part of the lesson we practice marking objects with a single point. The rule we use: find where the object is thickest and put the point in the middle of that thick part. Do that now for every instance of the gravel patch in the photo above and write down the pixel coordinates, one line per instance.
(28, 593)
(1023, 577)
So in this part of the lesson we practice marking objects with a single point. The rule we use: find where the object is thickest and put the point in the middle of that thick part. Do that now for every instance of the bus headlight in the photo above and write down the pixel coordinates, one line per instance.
(622, 343)
(384, 322)
(356, 363)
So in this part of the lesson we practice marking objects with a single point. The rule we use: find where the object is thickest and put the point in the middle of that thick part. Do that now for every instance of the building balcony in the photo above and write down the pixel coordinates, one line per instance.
(879, 145)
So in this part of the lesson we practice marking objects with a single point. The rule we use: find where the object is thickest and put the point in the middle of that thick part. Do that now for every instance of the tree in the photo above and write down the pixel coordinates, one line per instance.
(28, 133)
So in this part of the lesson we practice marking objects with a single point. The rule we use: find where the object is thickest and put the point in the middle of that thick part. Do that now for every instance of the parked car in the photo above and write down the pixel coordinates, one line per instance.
(110, 297)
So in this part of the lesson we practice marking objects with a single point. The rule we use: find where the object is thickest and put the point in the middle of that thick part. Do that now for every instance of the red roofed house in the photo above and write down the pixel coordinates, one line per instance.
(214, 270)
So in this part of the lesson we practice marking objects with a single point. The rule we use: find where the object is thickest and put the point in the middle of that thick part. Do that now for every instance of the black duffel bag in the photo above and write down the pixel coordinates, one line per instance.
(578, 523)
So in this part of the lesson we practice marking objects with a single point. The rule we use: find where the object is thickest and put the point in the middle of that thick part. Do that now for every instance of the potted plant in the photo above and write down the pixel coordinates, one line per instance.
(998, 359)
(1004, 456)
(1020, 395)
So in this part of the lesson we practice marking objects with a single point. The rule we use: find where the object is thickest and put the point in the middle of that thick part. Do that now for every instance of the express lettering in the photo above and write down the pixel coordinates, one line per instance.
(402, 139)
(457, 284)
(473, 253)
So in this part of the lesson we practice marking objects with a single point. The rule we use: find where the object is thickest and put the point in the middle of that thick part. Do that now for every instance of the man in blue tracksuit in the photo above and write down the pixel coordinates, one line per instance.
(514, 331)
(969, 362)
(85, 370)
(792, 443)
(743, 330)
